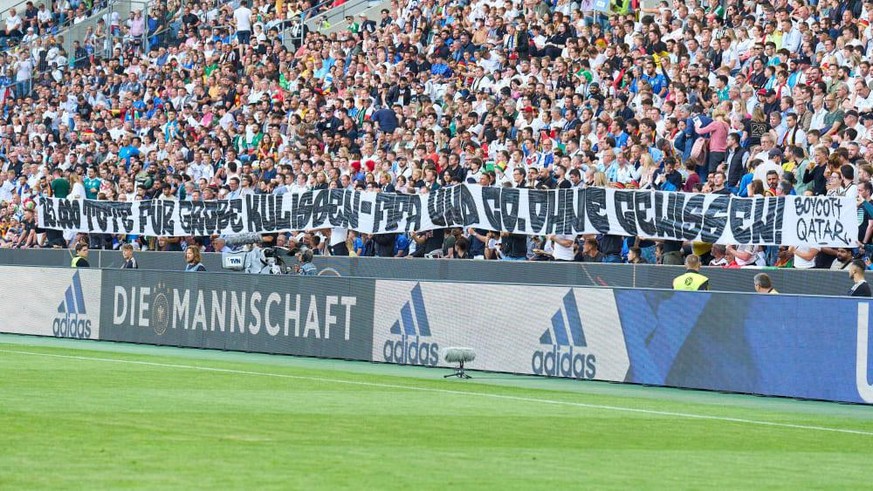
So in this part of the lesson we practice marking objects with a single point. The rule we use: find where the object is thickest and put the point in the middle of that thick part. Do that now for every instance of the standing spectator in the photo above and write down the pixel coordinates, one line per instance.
(242, 16)
(719, 128)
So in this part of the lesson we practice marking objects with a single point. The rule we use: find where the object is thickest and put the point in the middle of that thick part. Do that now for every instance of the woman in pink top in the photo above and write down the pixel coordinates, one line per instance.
(718, 128)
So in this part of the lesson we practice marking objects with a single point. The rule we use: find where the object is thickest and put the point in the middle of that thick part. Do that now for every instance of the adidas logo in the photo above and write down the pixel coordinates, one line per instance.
(72, 320)
(413, 328)
(566, 337)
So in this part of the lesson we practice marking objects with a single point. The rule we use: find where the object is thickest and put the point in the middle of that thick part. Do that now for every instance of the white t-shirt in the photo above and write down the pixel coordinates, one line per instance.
(562, 253)
(243, 18)
(338, 235)
(799, 262)
(13, 23)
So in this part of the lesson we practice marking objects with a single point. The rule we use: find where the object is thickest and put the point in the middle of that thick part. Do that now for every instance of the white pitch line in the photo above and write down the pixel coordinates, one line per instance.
(603, 407)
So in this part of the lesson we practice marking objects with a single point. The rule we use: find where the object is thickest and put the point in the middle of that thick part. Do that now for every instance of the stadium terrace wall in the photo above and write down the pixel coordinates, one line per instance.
(780, 345)
(804, 282)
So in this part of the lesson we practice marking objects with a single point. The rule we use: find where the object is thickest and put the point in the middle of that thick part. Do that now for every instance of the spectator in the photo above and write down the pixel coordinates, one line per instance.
(215, 106)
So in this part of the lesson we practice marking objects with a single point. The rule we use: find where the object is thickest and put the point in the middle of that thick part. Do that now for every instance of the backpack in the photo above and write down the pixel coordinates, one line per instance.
(700, 150)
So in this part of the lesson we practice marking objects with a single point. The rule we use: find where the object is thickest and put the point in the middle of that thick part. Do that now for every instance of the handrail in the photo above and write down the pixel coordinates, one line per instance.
(345, 6)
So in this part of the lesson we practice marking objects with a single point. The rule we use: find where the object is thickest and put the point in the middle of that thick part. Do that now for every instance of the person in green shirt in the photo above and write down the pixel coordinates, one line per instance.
(353, 26)
(833, 120)
(60, 186)
(92, 184)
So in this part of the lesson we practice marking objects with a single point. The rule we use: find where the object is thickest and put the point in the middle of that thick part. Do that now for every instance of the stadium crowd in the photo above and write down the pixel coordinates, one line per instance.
(201, 101)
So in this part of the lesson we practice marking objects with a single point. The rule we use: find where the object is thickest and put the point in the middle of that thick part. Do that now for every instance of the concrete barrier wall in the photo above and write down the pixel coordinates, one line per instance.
(805, 282)
(783, 345)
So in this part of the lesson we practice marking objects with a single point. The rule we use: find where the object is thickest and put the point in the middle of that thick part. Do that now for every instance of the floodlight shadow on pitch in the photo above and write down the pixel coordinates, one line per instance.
(459, 356)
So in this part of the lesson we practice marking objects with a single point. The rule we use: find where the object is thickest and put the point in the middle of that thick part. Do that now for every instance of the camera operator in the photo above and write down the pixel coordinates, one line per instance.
(305, 268)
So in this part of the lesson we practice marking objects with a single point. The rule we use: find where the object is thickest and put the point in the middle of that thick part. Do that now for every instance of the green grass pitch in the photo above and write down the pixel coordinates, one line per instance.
(89, 415)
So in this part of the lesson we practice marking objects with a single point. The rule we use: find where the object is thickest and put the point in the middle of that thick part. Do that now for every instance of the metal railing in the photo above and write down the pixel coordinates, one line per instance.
(326, 20)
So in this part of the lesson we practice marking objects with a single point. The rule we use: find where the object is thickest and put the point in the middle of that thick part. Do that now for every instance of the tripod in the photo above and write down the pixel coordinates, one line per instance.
(459, 372)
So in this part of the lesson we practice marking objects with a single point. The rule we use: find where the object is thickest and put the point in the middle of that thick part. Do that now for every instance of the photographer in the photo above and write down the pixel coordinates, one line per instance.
(306, 268)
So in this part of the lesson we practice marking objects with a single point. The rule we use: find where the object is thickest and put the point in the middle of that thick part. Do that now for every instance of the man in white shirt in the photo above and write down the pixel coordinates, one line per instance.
(6, 187)
(13, 26)
(863, 98)
(562, 247)
(794, 135)
(242, 16)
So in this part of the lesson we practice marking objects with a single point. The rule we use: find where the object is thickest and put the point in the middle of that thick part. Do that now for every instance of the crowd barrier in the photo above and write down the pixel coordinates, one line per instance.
(803, 282)
(781, 345)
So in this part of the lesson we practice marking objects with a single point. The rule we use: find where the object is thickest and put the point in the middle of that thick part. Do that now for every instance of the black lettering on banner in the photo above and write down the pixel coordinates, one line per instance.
(236, 208)
(156, 216)
(222, 216)
(144, 216)
(283, 216)
(186, 217)
(740, 213)
(411, 210)
(269, 212)
(538, 208)
(169, 211)
(202, 221)
(451, 205)
(386, 210)
(579, 223)
(121, 221)
(301, 210)
(624, 211)
(567, 211)
(780, 218)
(353, 208)
(467, 206)
(436, 207)
(715, 220)
(764, 222)
(510, 207)
(595, 209)
(254, 221)
(320, 208)
(668, 215)
(94, 212)
(47, 209)
(692, 217)
(491, 200)
(555, 214)
(337, 210)
(70, 213)
(676, 203)
(644, 213)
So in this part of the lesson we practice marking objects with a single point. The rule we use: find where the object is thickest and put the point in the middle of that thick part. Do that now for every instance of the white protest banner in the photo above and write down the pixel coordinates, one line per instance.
(720, 219)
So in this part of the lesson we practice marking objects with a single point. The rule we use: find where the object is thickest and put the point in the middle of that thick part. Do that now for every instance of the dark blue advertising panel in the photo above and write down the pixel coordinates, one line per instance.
(309, 316)
(805, 347)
